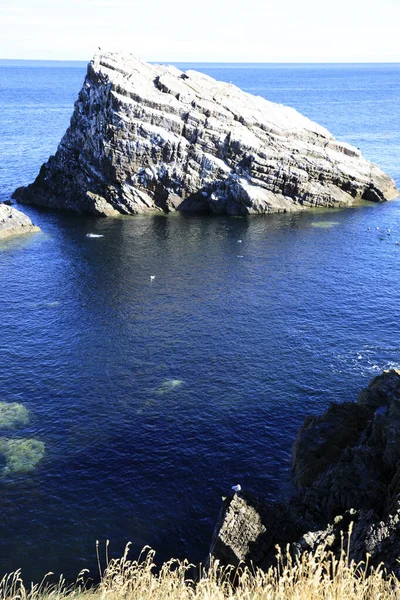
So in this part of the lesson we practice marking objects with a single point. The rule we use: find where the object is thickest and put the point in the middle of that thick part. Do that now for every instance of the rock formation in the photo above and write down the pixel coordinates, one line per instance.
(150, 137)
(346, 466)
(14, 222)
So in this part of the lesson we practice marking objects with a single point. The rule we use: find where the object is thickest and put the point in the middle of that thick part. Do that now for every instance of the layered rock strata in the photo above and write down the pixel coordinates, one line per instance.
(14, 222)
(149, 137)
(346, 466)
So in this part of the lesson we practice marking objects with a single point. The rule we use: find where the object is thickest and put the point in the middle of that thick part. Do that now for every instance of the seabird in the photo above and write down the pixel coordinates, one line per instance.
(152, 277)
(237, 488)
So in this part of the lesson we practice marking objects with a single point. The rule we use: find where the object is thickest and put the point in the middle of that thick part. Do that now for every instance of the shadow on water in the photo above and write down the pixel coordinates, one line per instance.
(173, 356)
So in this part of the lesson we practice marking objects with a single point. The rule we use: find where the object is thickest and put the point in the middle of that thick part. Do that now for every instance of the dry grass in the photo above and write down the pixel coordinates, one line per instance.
(318, 576)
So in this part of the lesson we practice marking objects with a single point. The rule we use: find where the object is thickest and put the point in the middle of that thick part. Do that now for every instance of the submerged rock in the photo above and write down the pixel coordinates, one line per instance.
(324, 224)
(169, 386)
(346, 465)
(150, 137)
(21, 455)
(14, 222)
(13, 415)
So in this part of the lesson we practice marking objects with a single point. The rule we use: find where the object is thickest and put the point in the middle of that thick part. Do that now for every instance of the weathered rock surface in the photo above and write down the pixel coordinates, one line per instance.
(14, 222)
(347, 468)
(149, 137)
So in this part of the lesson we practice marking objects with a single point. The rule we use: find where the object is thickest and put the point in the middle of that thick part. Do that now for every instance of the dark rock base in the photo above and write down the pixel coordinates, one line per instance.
(346, 466)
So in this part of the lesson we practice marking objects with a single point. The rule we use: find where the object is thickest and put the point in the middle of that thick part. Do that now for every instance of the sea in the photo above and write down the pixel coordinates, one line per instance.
(154, 367)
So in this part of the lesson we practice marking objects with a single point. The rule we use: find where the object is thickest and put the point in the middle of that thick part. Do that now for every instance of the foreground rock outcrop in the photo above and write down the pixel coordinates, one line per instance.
(14, 222)
(346, 465)
(149, 137)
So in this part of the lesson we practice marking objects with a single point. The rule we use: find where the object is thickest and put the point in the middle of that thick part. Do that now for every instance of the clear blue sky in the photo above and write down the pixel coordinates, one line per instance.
(206, 30)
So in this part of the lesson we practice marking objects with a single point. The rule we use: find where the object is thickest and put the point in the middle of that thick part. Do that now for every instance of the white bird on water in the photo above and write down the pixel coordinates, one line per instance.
(152, 277)
(237, 488)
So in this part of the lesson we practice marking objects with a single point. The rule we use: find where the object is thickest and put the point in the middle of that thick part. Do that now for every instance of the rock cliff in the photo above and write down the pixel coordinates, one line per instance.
(149, 137)
(346, 466)
(14, 222)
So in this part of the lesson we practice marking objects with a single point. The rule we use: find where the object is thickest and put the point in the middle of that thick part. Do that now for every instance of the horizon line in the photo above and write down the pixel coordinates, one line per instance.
(215, 62)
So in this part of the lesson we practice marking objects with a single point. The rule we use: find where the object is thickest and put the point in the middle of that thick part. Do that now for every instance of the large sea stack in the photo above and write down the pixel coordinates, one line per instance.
(149, 137)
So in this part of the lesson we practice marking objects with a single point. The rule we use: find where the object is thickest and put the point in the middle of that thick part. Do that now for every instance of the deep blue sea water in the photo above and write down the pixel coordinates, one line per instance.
(153, 397)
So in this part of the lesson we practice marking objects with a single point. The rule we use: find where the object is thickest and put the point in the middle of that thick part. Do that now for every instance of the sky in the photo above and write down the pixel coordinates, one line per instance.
(203, 31)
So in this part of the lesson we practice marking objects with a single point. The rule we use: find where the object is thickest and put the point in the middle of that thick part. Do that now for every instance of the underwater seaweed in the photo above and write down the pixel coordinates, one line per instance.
(12, 415)
(169, 386)
(324, 224)
(22, 455)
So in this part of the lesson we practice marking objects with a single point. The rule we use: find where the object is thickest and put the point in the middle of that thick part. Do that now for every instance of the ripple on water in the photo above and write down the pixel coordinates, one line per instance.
(368, 360)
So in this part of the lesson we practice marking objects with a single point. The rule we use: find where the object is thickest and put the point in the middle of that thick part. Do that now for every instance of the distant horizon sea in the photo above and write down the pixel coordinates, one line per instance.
(148, 398)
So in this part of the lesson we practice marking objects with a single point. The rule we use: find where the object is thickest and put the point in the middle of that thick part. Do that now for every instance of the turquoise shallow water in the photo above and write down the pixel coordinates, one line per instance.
(154, 396)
